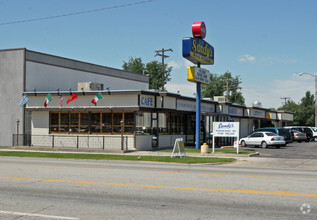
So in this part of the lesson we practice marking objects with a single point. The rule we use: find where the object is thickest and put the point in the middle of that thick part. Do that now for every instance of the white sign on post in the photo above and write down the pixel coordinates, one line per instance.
(226, 129)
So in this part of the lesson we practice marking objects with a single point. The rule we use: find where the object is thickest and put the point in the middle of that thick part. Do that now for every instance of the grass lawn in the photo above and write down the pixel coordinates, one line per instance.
(217, 151)
(117, 157)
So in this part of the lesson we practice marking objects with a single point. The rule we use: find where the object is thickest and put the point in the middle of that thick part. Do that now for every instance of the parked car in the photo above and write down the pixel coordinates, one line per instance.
(314, 133)
(298, 136)
(307, 130)
(279, 131)
(263, 139)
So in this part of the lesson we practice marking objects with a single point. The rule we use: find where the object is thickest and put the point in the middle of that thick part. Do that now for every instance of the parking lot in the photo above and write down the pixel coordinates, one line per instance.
(303, 150)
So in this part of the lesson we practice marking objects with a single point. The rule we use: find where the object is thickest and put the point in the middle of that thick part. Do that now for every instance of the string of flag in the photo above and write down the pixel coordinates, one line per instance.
(49, 98)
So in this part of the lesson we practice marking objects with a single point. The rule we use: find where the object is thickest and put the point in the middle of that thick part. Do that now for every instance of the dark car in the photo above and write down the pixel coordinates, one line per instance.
(307, 130)
(279, 131)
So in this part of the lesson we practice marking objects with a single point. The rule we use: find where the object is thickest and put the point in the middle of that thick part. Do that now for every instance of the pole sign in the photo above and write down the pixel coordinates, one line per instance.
(199, 52)
(196, 50)
(196, 74)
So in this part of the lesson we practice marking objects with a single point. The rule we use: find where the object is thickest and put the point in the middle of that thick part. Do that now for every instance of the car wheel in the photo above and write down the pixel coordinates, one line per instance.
(243, 144)
(263, 144)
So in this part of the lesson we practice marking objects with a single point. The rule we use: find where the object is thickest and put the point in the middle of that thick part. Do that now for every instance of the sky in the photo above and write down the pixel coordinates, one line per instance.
(266, 43)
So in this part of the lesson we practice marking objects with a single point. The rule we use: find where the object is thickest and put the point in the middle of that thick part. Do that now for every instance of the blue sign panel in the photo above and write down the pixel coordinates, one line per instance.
(197, 50)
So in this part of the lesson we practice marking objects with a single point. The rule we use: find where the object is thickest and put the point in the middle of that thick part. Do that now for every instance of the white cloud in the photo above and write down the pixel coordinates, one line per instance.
(184, 89)
(246, 58)
(176, 64)
(272, 60)
(270, 93)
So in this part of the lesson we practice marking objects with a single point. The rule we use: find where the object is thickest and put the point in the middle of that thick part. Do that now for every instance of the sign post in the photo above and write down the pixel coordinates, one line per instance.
(199, 52)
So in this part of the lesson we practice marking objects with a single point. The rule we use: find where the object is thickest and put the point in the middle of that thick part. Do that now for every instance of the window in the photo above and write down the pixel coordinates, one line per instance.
(64, 122)
(143, 122)
(74, 122)
(178, 124)
(54, 122)
(107, 122)
(94, 123)
(128, 122)
(164, 123)
(84, 122)
(116, 126)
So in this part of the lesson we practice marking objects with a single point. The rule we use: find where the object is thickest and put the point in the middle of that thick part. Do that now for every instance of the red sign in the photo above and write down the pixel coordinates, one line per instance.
(199, 29)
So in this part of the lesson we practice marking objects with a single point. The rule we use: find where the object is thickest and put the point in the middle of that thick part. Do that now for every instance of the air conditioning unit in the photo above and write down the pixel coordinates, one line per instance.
(89, 86)
(220, 98)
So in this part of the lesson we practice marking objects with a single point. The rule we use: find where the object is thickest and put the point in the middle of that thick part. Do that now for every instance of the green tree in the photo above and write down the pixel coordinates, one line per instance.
(134, 65)
(153, 69)
(304, 111)
(219, 84)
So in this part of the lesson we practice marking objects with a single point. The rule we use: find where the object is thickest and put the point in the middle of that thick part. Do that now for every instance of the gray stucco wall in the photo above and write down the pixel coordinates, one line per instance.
(11, 89)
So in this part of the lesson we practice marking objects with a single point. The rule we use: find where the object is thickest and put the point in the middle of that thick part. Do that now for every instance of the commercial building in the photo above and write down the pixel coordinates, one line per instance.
(22, 70)
(126, 116)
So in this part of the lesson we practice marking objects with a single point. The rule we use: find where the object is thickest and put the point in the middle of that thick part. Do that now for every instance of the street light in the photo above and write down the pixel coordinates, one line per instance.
(314, 75)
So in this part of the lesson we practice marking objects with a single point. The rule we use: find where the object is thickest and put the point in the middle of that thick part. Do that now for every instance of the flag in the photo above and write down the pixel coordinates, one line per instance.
(23, 101)
(96, 99)
(61, 99)
(47, 100)
(72, 98)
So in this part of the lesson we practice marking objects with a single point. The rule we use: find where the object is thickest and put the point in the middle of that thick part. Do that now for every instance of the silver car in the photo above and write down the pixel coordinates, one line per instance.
(299, 136)
(263, 139)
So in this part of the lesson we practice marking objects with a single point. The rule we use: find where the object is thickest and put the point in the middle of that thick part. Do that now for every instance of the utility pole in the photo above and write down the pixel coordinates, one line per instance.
(161, 53)
(285, 99)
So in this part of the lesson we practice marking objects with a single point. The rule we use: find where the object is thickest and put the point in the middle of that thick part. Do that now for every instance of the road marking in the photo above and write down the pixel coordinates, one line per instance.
(173, 187)
(174, 172)
(37, 215)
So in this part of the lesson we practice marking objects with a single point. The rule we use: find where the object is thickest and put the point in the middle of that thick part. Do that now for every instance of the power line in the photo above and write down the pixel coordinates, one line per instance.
(75, 13)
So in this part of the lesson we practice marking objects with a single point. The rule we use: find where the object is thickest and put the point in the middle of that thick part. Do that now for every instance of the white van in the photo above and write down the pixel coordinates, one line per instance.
(314, 129)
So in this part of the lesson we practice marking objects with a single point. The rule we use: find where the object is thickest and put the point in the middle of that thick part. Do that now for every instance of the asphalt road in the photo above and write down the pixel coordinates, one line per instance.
(303, 150)
(35, 188)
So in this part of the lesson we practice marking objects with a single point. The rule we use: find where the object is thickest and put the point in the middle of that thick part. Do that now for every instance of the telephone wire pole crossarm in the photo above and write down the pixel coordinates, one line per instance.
(161, 53)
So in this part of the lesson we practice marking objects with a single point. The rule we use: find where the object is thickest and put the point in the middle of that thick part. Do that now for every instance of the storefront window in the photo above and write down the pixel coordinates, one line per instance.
(164, 123)
(117, 118)
(84, 122)
(64, 122)
(107, 122)
(129, 122)
(74, 122)
(178, 124)
(143, 123)
(95, 123)
(54, 122)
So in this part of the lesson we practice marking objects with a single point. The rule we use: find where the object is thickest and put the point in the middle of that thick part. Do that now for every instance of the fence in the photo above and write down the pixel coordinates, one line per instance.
(107, 142)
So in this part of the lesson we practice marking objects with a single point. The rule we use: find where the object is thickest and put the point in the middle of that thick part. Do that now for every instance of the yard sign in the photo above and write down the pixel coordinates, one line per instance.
(226, 129)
